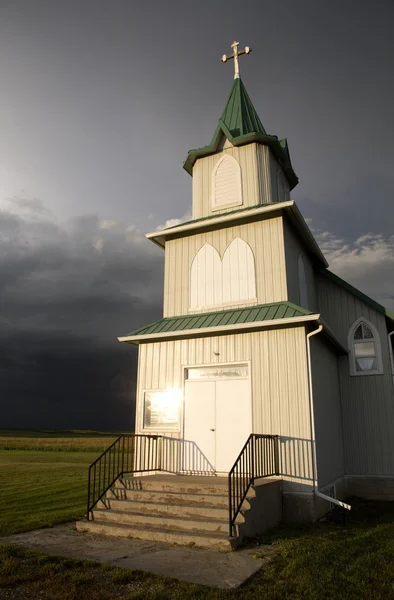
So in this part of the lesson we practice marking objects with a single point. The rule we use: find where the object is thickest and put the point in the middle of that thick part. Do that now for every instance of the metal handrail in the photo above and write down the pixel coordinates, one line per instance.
(258, 458)
(129, 453)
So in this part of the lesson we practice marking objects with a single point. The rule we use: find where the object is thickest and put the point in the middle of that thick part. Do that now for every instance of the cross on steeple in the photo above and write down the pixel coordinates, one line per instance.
(235, 55)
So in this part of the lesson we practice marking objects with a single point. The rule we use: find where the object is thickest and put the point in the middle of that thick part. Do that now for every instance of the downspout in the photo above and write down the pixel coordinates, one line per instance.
(391, 355)
(312, 418)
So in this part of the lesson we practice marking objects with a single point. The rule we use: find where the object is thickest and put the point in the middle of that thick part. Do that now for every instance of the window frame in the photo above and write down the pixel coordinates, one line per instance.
(352, 354)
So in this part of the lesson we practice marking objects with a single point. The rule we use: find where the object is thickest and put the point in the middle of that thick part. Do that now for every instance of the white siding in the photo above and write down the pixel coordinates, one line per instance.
(293, 248)
(253, 161)
(265, 239)
(327, 410)
(206, 278)
(278, 376)
(367, 402)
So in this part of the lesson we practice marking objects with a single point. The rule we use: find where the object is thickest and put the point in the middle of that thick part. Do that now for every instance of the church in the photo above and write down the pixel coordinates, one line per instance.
(263, 354)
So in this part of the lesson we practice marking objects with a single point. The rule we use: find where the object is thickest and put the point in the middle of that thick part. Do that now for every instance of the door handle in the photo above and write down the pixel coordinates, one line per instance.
(211, 430)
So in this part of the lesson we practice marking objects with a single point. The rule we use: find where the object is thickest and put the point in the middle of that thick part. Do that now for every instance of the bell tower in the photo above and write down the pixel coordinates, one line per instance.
(243, 166)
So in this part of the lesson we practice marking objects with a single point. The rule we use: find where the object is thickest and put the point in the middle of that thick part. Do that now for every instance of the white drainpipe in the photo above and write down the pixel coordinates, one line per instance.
(391, 355)
(312, 417)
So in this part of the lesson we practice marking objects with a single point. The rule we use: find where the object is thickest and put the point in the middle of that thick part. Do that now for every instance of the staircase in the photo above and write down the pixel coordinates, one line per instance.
(189, 510)
(185, 510)
(176, 509)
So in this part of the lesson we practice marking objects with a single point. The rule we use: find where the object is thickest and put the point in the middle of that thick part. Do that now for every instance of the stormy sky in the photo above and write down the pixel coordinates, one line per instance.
(100, 102)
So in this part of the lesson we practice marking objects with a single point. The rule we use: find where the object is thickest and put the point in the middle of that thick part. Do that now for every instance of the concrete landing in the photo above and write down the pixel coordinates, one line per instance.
(219, 570)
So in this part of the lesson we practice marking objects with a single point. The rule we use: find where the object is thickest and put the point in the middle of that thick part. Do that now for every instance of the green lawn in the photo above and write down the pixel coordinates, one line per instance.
(327, 561)
(330, 560)
(41, 488)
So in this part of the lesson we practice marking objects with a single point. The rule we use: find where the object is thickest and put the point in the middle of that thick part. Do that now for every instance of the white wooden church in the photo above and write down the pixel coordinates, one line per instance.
(259, 337)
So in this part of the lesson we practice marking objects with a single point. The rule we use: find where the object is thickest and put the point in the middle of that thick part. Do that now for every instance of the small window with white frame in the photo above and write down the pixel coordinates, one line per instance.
(365, 352)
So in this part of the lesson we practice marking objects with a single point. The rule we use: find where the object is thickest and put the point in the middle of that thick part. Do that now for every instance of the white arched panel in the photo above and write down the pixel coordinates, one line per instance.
(302, 282)
(206, 278)
(239, 277)
(226, 183)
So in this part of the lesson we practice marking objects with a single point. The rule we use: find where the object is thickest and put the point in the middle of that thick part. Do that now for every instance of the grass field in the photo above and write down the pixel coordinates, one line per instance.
(326, 561)
(54, 441)
(43, 476)
(41, 488)
(331, 560)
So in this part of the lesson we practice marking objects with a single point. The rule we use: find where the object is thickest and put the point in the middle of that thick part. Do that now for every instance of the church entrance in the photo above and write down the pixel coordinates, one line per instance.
(217, 416)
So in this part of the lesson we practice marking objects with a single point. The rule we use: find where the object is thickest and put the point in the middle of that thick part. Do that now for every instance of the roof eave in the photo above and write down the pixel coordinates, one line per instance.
(330, 335)
(299, 222)
(356, 292)
(159, 237)
(280, 152)
(219, 330)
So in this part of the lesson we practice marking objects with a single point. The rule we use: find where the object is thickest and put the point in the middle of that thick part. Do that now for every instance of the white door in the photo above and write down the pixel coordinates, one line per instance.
(233, 423)
(217, 419)
(199, 438)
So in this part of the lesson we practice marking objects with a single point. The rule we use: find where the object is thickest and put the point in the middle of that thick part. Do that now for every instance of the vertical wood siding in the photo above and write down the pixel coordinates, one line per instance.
(278, 378)
(367, 401)
(265, 239)
(203, 170)
(327, 409)
(279, 186)
(293, 248)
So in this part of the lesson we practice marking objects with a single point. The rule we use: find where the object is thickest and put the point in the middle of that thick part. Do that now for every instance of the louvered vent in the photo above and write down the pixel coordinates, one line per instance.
(227, 183)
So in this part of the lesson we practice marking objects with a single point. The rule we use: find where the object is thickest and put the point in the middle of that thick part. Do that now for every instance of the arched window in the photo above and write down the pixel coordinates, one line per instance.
(365, 352)
(302, 282)
(226, 183)
(206, 278)
(239, 278)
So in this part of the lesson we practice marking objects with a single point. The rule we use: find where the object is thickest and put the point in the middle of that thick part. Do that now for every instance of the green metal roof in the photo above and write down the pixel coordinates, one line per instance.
(261, 312)
(241, 125)
(239, 114)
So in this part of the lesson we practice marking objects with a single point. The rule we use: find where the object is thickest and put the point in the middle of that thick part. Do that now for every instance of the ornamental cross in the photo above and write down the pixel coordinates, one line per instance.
(235, 55)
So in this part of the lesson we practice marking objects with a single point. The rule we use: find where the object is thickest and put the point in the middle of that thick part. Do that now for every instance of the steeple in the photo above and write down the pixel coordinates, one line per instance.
(239, 115)
(241, 125)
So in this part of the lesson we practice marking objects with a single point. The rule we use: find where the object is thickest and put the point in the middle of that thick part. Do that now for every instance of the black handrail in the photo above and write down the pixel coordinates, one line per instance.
(129, 453)
(258, 458)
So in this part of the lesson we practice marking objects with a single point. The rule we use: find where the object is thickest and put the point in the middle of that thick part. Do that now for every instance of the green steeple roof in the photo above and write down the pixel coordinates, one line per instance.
(241, 125)
(239, 114)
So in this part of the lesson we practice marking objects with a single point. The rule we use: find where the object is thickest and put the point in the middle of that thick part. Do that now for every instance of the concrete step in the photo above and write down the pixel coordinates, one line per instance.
(218, 541)
(175, 510)
(191, 525)
(176, 483)
(218, 499)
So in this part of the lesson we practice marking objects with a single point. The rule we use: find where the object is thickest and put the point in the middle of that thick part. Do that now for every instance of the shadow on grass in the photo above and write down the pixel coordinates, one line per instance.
(364, 515)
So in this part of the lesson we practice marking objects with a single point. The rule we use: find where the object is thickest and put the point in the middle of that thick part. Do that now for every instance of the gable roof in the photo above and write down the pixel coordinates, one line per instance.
(224, 321)
(350, 288)
(240, 124)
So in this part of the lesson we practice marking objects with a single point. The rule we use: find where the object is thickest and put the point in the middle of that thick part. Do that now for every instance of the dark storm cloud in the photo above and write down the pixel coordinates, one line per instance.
(67, 291)
(101, 102)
